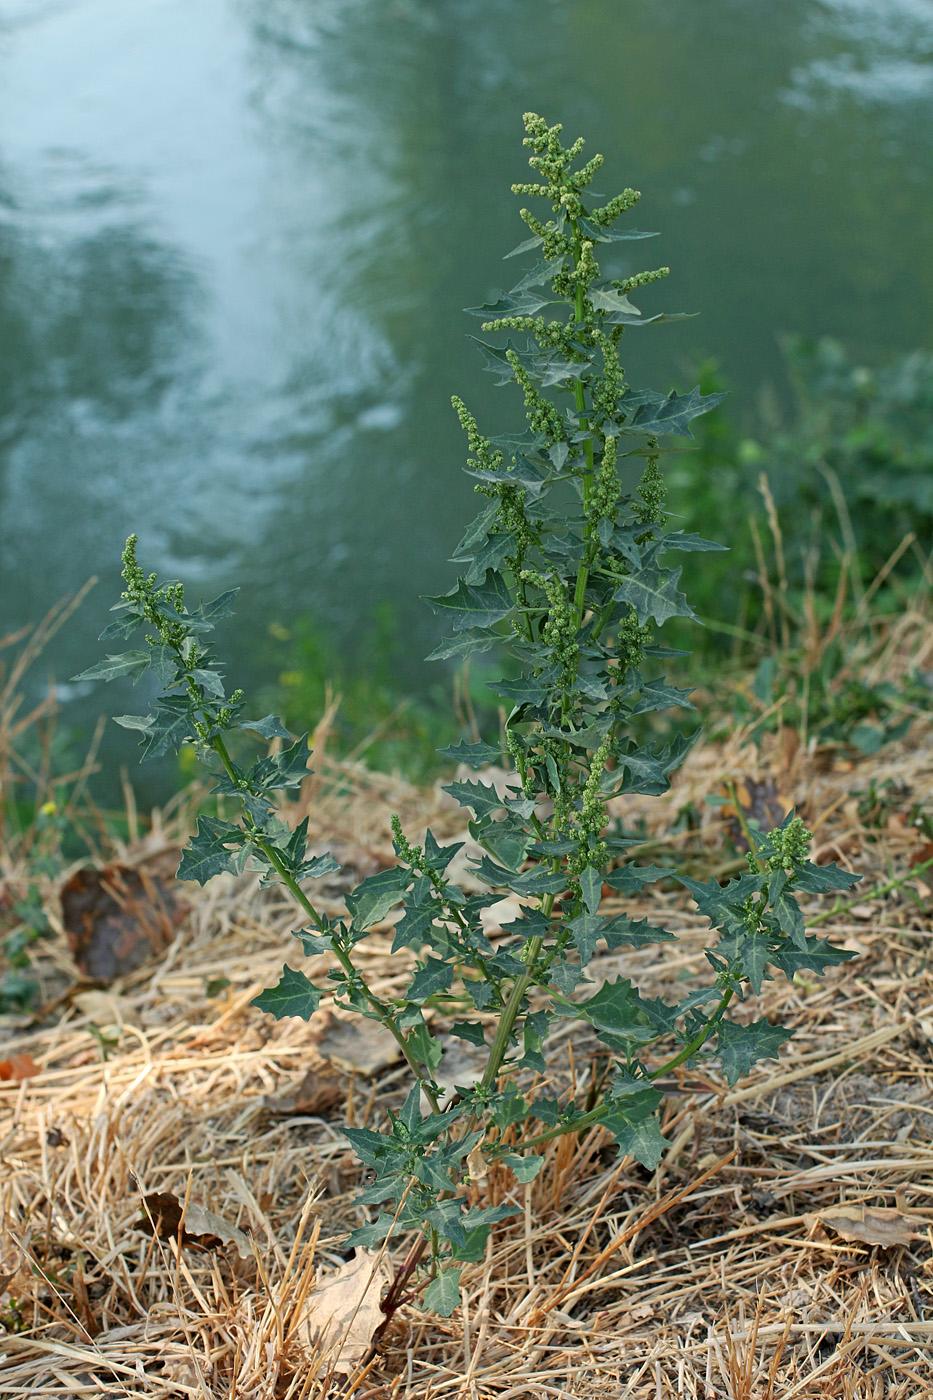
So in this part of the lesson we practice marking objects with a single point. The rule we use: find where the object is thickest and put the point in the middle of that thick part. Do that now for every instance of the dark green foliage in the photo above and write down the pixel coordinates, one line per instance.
(30, 924)
(849, 466)
(874, 429)
(566, 573)
(294, 996)
(376, 721)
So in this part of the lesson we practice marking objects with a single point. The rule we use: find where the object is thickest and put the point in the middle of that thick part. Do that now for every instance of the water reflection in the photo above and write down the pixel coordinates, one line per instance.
(236, 237)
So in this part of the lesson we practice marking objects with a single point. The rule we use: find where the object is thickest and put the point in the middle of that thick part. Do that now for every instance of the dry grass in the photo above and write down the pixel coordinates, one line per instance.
(711, 1277)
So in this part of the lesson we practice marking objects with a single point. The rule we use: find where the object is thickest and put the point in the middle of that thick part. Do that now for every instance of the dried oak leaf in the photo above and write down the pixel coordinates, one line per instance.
(116, 918)
(345, 1311)
(164, 1213)
(882, 1225)
(19, 1067)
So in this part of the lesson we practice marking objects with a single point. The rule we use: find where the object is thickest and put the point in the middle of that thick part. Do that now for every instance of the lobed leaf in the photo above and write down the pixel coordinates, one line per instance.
(525, 1169)
(207, 853)
(293, 995)
(471, 640)
(442, 1296)
(127, 663)
(815, 955)
(435, 976)
(672, 414)
(652, 592)
(269, 727)
(633, 878)
(482, 799)
(476, 605)
(374, 897)
(819, 879)
(641, 1139)
(740, 1047)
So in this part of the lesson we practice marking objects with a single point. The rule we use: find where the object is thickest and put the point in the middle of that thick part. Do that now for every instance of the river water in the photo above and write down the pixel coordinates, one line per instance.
(236, 237)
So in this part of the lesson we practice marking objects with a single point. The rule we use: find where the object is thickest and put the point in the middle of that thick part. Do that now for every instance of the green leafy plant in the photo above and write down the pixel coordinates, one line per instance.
(872, 427)
(376, 721)
(23, 920)
(30, 924)
(570, 573)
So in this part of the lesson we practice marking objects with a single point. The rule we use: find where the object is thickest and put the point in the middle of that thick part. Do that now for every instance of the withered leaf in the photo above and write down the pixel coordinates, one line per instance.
(920, 857)
(19, 1067)
(105, 1009)
(882, 1225)
(117, 917)
(477, 1165)
(345, 1311)
(202, 1229)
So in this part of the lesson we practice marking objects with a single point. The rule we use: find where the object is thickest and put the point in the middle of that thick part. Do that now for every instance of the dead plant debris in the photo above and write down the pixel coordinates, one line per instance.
(781, 1251)
(165, 1216)
(116, 918)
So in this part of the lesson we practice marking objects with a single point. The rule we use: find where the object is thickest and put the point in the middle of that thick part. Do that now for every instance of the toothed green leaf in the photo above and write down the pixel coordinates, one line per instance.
(443, 1295)
(269, 727)
(740, 1047)
(476, 605)
(127, 663)
(293, 995)
(652, 592)
(642, 1139)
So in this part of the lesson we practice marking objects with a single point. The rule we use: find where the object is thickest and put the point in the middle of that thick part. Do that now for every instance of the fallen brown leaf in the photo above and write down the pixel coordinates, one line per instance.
(116, 918)
(19, 1067)
(164, 1213)
(183, 1373)
(924, 877)
(921, 856)
(882, 1225)
(345, 1311)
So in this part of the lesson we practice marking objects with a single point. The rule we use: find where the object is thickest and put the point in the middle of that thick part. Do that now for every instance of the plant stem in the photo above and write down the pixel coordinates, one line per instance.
(698, 1040)
(383, 1011)
(507, 1019)
(841, 906)
(579, 394)
(513, 1005)
(587, 1120)
(268, 851)
(743, 823)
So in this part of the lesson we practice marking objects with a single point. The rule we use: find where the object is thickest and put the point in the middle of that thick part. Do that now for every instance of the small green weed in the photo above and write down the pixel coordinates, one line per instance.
(375, 721)
(18, 990)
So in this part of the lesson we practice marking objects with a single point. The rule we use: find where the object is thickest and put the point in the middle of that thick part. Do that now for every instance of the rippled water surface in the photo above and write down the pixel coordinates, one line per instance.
(236, 237)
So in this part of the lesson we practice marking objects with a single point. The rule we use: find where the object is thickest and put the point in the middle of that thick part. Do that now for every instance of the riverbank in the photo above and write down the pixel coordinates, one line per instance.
(782, 1245)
